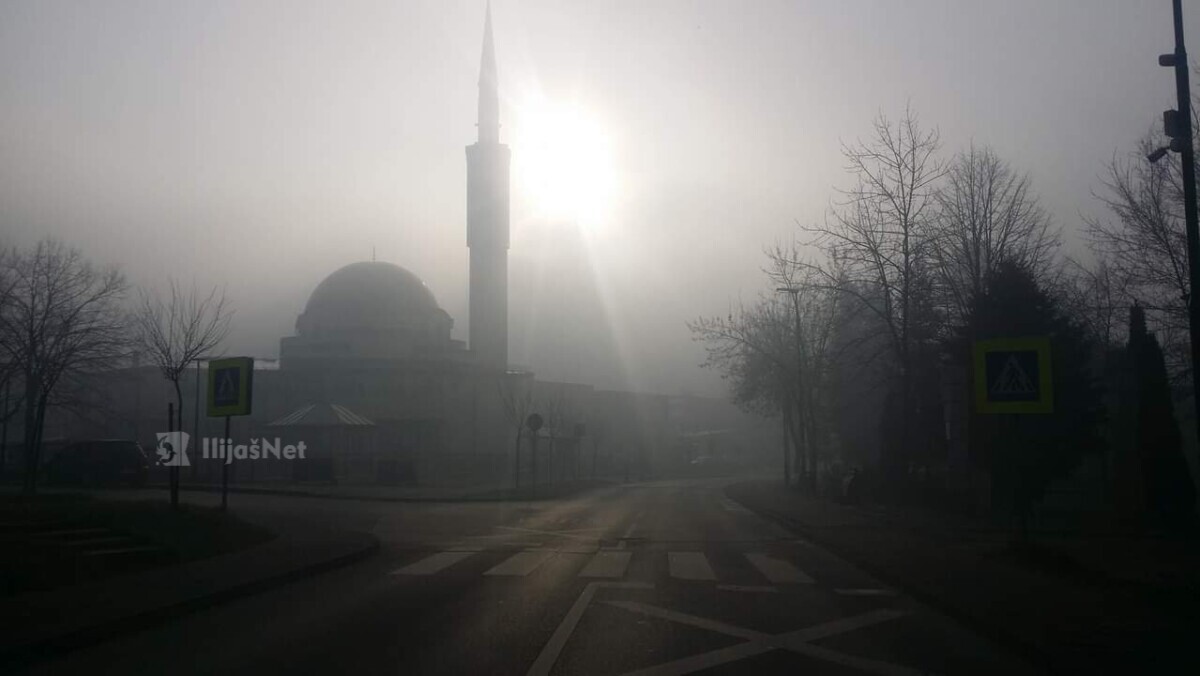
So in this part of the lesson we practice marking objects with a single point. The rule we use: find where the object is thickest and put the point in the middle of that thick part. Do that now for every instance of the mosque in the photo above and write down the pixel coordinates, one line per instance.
(380, 392)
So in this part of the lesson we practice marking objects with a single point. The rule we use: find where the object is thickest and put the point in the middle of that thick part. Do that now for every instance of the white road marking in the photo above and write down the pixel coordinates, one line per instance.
(629, 531)
(757, 642)
(690, 620)
(747, 588)
(689, 566)
(569, 534)
(731, 506)
(611, 564)
(550, 652)
(433, 564)
(521, 563)
(865, 592)
(778, 571)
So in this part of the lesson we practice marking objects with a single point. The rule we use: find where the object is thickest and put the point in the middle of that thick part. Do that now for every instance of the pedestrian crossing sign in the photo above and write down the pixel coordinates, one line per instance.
(1013, 375)
(229, 386)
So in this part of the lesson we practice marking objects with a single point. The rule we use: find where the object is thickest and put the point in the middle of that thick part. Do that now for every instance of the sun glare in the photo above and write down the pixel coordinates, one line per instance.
(562, 157)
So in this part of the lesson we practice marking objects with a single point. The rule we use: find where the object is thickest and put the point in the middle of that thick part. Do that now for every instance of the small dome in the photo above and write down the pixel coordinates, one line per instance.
(368, 296)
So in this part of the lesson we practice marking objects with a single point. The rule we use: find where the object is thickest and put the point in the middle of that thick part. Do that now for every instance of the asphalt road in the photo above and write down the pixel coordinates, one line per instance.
(658, 578)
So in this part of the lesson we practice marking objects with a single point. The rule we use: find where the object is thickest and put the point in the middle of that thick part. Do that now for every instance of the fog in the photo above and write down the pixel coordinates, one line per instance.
(261, 145)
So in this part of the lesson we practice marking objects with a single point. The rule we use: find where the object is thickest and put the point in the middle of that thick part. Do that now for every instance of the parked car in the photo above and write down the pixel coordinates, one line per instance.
(102, 462)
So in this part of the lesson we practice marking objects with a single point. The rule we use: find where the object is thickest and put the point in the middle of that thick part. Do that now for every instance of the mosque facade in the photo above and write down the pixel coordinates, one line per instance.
(374, 384)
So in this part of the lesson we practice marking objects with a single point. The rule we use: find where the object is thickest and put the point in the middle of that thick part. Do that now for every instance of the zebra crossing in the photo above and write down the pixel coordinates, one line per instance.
(613, 564)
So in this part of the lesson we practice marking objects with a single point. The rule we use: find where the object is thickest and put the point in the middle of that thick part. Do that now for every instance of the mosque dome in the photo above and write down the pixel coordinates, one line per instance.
(369, 297)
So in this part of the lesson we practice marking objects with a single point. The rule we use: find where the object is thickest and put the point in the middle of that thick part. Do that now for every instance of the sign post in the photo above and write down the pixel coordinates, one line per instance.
(230, 393)
(1013, 376)
(534, 423)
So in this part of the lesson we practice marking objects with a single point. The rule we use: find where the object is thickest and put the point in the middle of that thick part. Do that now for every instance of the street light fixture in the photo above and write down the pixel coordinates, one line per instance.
(1177, 124)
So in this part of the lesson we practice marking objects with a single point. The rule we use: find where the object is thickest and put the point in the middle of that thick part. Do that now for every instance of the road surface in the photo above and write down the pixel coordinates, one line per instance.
(667, 577)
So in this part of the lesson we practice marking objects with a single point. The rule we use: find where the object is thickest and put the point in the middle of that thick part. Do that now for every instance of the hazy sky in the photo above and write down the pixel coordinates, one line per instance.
(261, 145)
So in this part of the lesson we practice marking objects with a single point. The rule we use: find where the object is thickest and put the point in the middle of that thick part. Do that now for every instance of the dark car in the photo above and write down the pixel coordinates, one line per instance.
(106, 462)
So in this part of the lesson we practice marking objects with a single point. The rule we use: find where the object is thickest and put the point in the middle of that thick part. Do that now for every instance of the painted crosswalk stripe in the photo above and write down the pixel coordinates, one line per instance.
(689, 566)
(433, 564)
(731, 506)
(865, 592)
(778, 571)
(521, 563)
(609, 563)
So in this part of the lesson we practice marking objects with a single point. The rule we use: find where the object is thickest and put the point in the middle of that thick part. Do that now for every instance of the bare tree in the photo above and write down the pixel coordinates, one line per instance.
(880, 241)
(9, 367)
(1096, 299)
(1144, 243)
(516, 397)
(598, 431)
(814, 306)
(986, 213)
(61, 319)
(752, 349)
(560, 410)
(177, 332)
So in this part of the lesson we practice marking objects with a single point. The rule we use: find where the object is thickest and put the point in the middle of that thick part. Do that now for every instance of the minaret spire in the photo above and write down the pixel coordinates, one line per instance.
(487, 219)
(489, 89)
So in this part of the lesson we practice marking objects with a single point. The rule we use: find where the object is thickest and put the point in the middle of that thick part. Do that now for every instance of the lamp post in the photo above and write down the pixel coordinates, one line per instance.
(1177, 124)
(795, 293)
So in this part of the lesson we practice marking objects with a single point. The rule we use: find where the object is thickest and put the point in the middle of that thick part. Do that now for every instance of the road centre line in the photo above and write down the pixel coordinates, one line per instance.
(550, 652)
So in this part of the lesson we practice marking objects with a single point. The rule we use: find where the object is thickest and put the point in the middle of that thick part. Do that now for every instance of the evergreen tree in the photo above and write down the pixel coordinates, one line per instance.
(1026, 453)
(1158, 444)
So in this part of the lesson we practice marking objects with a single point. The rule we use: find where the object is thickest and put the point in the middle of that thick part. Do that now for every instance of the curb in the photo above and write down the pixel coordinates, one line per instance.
(475, 497)
(1035, 654)
(29, 653)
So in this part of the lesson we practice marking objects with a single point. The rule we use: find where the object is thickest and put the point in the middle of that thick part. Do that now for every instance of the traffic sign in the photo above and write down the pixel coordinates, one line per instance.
(534, 422)
(230, 386)
(1013, 375)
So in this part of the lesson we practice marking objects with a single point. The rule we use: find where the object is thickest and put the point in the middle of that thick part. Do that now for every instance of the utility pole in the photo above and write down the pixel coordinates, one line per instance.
(1177, 124)
(803, 470)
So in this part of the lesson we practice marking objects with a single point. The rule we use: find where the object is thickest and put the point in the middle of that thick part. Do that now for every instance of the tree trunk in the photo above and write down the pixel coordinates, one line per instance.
(29, 485)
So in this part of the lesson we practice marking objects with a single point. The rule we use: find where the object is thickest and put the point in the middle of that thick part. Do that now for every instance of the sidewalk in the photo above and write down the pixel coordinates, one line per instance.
(1082, 606)
(36, 625)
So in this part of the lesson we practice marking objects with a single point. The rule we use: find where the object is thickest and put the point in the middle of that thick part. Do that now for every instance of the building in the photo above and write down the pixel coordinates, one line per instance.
(378, 390)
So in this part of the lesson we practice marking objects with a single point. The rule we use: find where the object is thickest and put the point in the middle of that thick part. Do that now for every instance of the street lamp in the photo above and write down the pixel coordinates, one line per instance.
(795, 292)
(1177, 124)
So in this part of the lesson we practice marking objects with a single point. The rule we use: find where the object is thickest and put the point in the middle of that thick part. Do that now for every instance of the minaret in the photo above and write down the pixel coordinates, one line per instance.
(487, 218)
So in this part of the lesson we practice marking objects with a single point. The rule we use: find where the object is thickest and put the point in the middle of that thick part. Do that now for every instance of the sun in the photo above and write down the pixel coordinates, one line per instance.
(563, 162)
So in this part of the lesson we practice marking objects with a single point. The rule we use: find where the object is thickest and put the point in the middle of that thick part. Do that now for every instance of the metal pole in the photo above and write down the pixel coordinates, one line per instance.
(173, 470)
(225, 468)
(196, 421)
(4, 430)
(533, 452)
(1188, 160)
